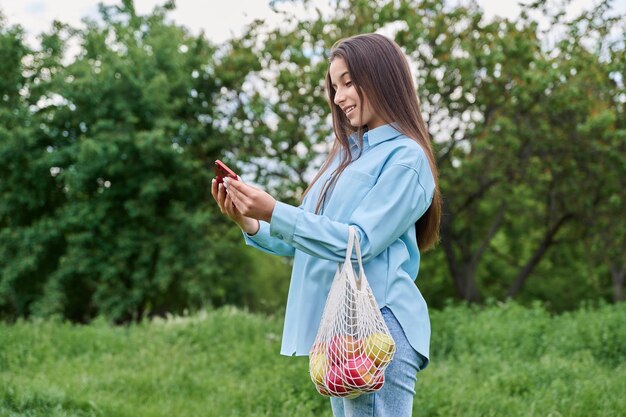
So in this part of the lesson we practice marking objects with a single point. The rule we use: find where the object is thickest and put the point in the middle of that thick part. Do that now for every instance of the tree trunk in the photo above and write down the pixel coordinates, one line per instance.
(534, 260)
(463, 268)
(469, 287)
(617, 277)
(464, 278)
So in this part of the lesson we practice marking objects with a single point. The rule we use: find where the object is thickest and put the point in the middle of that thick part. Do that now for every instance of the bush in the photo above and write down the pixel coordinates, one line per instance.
(499, 360)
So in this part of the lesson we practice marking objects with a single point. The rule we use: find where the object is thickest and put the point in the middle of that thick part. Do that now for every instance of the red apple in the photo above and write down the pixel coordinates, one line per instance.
(334, 382)
(359, 372)
(342, 348)
(322, 390)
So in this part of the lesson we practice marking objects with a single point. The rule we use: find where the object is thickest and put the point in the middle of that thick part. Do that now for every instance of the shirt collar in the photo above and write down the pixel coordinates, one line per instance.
(381, 134)
(375, 136)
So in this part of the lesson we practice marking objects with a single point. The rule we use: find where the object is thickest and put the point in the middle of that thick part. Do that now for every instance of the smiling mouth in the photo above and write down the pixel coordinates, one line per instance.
(349, 110)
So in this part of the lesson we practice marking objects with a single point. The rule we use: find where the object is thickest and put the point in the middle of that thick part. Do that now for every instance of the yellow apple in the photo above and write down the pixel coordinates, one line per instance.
(353, 394)
(379, 347)
(318, 364)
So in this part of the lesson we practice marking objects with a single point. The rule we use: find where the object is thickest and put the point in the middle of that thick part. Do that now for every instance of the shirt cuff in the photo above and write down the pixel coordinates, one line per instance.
(284, 219)
(261, 237)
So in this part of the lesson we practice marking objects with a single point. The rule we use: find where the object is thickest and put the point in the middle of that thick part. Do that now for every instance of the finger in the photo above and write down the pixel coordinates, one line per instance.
(221, 197)
(241, 193)
(214, 188)
(235, 198)
(230, 207)
(220, 191)
(238, 185)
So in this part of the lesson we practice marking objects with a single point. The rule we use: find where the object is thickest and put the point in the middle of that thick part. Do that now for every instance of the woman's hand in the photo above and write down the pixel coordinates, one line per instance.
(225, 203)
(249, 201)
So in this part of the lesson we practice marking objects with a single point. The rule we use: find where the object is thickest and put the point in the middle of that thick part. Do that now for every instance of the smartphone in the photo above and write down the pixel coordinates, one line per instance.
(222, 171)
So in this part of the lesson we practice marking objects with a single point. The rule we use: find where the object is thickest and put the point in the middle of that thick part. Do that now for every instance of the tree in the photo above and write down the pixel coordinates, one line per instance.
(106, 156)
(106, 209)
(507, 106)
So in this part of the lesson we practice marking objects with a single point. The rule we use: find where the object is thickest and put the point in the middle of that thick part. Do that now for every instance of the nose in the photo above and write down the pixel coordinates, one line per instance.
(339, 96)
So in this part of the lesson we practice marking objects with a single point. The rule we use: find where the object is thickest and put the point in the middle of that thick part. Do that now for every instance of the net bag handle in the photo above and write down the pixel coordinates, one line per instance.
(354, 244)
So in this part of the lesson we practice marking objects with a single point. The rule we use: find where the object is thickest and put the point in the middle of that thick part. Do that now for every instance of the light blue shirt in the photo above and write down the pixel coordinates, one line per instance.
(382, 193)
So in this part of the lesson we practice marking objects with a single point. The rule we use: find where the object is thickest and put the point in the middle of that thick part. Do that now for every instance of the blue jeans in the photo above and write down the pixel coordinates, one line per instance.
(395, 398)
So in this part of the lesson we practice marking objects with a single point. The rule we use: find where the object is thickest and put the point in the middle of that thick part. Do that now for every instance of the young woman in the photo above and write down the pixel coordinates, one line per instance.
(380, 177)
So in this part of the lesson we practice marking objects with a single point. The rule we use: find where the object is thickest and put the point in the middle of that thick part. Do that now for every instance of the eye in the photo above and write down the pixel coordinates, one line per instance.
(348, 83)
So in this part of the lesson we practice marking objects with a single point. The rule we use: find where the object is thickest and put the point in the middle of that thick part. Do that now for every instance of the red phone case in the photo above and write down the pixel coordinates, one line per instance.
(222, 171)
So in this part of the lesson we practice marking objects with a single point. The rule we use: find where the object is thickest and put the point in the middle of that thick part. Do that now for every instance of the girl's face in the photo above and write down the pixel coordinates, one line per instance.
(347, 98)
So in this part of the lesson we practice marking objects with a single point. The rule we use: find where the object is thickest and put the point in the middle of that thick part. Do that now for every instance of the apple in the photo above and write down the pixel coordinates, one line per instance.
(334, 382)
(377, 383)
(350, 394)
(318, 365)
(379, 347)
(344, 347)
(322, 390)
(358, 372)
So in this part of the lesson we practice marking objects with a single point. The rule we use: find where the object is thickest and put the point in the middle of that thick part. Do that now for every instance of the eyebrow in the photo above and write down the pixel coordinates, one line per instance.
(340, 77)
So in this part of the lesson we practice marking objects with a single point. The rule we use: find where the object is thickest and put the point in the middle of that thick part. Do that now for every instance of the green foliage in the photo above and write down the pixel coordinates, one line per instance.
(528, 130)
(267, 285)
(498, 360)
(106, 156)
(217, 363)
(106, 167)
(515, 361)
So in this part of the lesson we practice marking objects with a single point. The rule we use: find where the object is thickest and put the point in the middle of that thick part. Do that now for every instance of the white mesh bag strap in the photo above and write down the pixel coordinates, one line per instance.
(355, 244)
(351, 239)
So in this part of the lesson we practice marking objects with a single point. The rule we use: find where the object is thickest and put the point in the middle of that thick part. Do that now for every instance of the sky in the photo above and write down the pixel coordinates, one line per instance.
(219, 19)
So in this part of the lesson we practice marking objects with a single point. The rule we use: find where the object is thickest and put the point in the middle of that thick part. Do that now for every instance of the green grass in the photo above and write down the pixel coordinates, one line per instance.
(502, 360)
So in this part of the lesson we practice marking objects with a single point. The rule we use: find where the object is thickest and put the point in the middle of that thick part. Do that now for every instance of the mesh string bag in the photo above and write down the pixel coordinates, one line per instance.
(353, 345)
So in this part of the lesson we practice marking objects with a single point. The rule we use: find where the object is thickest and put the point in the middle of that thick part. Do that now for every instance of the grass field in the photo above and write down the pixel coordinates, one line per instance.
(500, 360)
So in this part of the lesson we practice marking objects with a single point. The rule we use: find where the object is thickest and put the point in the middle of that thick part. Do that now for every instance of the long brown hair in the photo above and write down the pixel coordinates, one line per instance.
(380, 71)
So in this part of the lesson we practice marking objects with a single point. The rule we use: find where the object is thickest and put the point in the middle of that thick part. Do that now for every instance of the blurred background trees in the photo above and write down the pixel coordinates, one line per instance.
(106, 154)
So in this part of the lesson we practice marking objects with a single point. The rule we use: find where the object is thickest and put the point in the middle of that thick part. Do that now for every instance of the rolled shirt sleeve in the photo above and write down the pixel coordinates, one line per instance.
(397, 200)
(262, 240)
